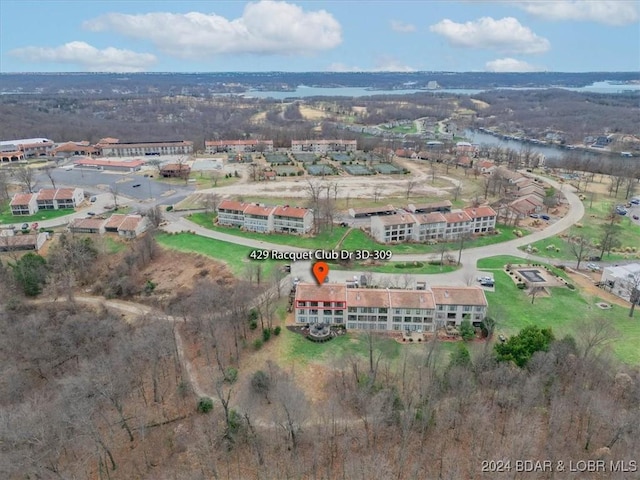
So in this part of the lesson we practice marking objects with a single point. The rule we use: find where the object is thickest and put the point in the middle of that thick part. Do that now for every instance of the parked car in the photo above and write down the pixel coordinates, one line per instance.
(25, 226)
(485, 279)
(487, 283)
(594, 259)
(135, 185)
(545, 217)
(635, 217)
(92, 199)
(635, 201)
(593, 267)
(91, 214)
(534, 215)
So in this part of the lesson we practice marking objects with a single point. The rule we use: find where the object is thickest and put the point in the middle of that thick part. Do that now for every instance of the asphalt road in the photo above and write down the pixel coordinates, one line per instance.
(95, 182)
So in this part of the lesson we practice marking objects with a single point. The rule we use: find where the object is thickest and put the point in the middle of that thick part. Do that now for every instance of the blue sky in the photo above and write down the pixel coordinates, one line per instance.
(340, 35)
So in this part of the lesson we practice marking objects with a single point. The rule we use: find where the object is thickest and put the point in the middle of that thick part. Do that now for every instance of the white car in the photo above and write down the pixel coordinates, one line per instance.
(485, 279)
(593, 267)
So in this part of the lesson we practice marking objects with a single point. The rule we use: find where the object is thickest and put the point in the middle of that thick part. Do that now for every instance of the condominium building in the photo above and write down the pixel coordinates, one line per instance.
(415, 227)
(46, 199)
(112, 147)
(323, 146)
(238, 146)
(16, 150)
(389, 309)
(263, 218)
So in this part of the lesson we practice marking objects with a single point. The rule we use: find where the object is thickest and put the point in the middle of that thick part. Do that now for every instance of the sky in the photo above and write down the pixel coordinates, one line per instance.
(319, 36)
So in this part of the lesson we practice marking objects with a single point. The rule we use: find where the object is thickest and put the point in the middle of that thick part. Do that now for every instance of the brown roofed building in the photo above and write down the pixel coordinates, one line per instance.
(288, 219)
(112, 147)
(55, 199)
(389, 309)
(87, 225)
(238, 146)
(483, 218)
(371, 211)
(105, 164)
(175, 170)
(24, 204)
(458, 223)
(231, 213)
(12, 243)
(258, 218)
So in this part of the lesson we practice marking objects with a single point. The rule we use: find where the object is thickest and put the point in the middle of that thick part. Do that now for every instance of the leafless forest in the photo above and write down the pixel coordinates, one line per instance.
(133, 118)
(89, 392)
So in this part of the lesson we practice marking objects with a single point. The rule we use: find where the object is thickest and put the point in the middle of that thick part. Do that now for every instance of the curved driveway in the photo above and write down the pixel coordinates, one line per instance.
(461, 276)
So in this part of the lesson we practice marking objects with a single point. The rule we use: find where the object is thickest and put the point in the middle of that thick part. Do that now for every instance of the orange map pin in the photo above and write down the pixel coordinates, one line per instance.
(320, 271)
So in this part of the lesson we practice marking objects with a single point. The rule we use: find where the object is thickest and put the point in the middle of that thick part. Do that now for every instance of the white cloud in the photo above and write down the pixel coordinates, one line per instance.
(611, 12)
(510, 65)
(266, 27)
(399, 26)
(505, 35)
(88, 58)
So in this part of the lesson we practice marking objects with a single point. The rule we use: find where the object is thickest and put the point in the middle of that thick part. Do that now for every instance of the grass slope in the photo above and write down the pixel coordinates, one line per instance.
(565, 311)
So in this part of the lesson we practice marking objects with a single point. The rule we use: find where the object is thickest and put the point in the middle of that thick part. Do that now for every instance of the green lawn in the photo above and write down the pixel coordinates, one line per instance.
(7, 219)
(595, 217)
(327, 239)
(236, 257)
(301, 350)
(397, 267)
(563, 311)
(358, 240)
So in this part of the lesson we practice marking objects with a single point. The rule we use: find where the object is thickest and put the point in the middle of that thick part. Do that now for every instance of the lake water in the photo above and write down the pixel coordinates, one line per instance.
(303, 91)
(549, 151)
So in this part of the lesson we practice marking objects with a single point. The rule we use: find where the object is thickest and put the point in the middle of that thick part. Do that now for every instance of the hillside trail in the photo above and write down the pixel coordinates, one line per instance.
(139, 309)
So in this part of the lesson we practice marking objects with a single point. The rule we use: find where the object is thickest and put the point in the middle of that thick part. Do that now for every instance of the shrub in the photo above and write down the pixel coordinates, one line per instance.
(571, 286)
(205, 405)
(521, 286)
(253, 324)
(276, 331)
(230, 374)
(169, 208)
(266, 334)
(257, 343)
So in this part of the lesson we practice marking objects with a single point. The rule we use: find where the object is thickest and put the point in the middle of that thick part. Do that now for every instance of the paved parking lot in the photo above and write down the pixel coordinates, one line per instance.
(95, 182)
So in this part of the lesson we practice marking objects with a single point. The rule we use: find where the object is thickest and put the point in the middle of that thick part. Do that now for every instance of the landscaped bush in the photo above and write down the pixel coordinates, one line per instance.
(521, 285)
(169, 208)
(570, 286)
(230, 374)
(205, 405)
(266, 334)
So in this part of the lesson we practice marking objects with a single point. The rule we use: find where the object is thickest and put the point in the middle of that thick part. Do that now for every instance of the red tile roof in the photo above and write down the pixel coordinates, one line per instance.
(481, 211)
(21, 199)
(114, 221)
(457, 216)
(64, 193)
(258, 210)
(459, 296)
(98, 162)
(232, 205)
(291, 212)
(130, 223)
(330, 292)
(427, 218)
(46, 194)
